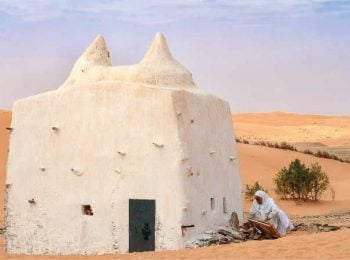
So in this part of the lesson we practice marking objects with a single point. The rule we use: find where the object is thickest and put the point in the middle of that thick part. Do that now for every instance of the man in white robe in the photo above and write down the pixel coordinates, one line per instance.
(265, 209)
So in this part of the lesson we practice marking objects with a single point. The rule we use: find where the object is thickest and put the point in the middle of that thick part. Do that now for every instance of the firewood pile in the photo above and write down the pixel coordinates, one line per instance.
(228, 234)
(235, 233)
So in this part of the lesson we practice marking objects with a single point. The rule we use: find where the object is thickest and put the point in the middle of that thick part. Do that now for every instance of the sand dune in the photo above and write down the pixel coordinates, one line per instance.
(279, 126)
(314, 132)
(259, 163)
(290, 119)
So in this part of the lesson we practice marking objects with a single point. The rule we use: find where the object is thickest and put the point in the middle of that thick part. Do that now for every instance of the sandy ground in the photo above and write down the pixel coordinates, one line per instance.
(333, 245)
(5, 121)
(312, 132)
(279, 126)
(257, 163)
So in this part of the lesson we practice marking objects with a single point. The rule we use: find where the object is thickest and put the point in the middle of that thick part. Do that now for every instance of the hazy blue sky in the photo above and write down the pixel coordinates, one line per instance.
(260, 55)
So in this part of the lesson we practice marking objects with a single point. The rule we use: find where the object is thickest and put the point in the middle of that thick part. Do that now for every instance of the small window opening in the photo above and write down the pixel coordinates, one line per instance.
(224, 206)
(87, 210)
(212, 203)
(184, 229)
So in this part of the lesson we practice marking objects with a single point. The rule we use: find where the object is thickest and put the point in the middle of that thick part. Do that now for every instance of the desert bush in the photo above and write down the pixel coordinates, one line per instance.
(325, 154)
(281, 184)
(241, 140)
(286, 146)
(260, 143)
(282, 145)
(251, 189)
(319, 181)
(245, 141)
(299, 182)
(308, 152)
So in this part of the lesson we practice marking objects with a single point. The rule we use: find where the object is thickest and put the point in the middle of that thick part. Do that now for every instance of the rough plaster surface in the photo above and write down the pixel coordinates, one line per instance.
(110, 134)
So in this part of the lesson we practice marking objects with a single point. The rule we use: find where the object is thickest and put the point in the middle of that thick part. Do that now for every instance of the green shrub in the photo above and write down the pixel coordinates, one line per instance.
(299, 182)
(251, 189)
(319, 181)
(281, 186)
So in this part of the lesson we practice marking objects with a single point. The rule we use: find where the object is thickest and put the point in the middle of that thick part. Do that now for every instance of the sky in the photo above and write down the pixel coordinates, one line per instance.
(259, 55)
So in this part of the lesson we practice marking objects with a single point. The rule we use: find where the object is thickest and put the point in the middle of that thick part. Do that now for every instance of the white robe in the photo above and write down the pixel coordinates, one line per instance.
(269, 209)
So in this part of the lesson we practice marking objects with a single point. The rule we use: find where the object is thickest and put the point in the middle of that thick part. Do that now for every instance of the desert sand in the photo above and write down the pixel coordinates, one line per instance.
(334, 245)
(259, 163)
(256, 163)
(279, 126)
(5, 121)
(312, 132)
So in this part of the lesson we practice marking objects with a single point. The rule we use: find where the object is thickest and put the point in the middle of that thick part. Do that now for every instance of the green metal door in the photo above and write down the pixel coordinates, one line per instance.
(141, 225)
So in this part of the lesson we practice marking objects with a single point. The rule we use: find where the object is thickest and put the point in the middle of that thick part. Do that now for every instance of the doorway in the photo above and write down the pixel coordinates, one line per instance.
(141, 225)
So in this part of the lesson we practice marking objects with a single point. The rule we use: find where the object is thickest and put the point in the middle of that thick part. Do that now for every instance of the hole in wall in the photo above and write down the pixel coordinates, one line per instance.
(87, 210)
(212, 203)
(184, 229)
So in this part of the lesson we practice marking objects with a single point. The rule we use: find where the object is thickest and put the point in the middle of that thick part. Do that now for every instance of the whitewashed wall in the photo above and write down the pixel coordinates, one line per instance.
(94, 124)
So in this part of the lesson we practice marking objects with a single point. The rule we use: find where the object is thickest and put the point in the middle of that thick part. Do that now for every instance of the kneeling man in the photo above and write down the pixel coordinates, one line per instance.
(265, 209)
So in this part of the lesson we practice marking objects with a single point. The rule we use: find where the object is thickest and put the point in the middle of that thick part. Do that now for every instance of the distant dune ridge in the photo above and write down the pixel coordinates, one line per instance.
(312, 132)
